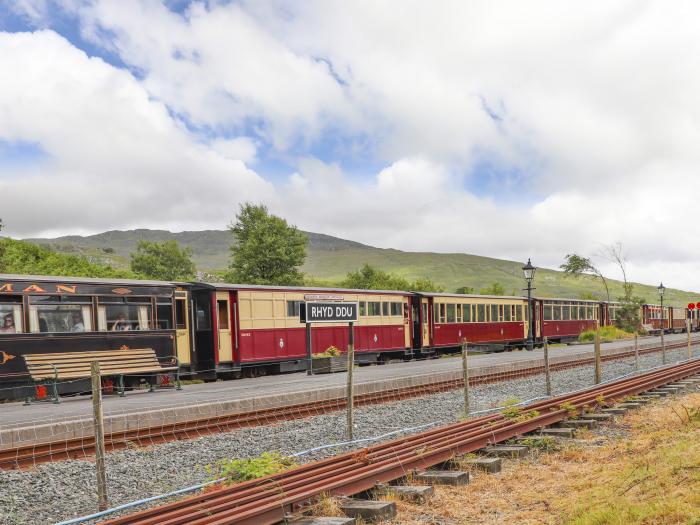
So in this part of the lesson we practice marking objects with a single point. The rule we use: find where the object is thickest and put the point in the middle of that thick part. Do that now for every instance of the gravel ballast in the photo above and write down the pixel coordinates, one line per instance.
(59, 491)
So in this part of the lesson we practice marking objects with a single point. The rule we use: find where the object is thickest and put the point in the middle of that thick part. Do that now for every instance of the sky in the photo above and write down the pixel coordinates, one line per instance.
(507, 129)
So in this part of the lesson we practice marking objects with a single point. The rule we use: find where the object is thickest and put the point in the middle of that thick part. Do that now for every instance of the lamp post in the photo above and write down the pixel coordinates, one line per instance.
(529, 272)
(662, 290)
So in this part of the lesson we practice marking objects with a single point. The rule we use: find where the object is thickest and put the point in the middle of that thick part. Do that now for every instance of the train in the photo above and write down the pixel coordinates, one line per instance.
(218, 330)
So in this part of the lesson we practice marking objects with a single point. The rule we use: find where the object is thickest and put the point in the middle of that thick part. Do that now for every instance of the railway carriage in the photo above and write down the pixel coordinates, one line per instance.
(256, 329)
(565, 319)
(496, 322)
(678, 319)
(45, 315)
(653, 318)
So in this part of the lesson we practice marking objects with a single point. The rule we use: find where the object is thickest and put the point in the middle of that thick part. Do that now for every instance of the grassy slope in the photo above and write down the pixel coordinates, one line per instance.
(330, 258)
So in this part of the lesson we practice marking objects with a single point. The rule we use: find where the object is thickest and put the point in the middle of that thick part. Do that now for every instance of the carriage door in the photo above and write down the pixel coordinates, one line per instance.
(415, 323)
(425, 321)
(182, 328)
(223, 318)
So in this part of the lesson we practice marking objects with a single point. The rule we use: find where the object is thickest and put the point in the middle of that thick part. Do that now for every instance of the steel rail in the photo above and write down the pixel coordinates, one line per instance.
(268, 500)
(27, 456)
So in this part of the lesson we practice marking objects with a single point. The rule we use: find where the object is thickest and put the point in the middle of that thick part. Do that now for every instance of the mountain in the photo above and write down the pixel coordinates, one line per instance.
(330, 259)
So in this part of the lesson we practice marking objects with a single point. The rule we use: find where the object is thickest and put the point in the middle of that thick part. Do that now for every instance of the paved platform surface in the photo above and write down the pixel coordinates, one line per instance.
(140, 408)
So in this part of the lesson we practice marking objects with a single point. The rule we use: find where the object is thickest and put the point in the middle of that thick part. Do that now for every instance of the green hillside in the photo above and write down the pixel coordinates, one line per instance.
(330, 258)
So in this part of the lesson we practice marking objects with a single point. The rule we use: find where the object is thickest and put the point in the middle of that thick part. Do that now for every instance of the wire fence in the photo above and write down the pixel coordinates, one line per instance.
(171, 442)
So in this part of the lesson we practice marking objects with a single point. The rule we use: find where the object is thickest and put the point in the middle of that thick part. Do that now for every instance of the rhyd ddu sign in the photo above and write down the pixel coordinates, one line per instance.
(317, 312)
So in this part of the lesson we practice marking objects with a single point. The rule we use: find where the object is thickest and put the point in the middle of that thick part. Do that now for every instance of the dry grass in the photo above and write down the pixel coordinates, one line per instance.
(649, 476)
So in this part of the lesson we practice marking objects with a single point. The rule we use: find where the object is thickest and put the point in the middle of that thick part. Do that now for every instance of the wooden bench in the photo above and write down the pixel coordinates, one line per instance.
(76, 365)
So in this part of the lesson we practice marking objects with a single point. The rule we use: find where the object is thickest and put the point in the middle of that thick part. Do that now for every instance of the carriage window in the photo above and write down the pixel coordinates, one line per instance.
(180, 314)
(494, 313)
(425, 312)
(506, 313)
(222, 307)
(547, 312)
(436, 313)
(459, 313)
(467, 313)
(396, 308)
(481, 313)
(565, 313)
(293, 308)
(363, 308)
(519, 313)
(53, 314)
(574, 313)
(374, 308)
(10, 315)
(451, 317)
(164, 313)
(556, 310)
(124, 317)
(385, 309)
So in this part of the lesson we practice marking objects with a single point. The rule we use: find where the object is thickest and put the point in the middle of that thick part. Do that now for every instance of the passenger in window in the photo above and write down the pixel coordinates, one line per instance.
(121, 324)
(78, 325)
(8, 325)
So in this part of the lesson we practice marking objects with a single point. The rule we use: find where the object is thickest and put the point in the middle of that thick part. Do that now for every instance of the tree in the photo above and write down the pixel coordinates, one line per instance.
(577, 265)
(494, 289)
(465, 290)
(22, 257)
(370, 278)
(628, 317)
(426, 285)
(164, 261)
(266, 249)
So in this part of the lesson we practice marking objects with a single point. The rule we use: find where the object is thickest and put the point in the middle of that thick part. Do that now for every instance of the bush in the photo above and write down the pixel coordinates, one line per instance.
(607, 333)
(237, 470)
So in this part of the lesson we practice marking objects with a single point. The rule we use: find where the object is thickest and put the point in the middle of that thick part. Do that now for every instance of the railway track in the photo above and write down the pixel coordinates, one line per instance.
(268, 500)
(29, 455)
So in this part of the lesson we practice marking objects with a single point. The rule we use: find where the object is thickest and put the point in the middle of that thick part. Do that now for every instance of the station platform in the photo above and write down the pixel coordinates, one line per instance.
(72, 418)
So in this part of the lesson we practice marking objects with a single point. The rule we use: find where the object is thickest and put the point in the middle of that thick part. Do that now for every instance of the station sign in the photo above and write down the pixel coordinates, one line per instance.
(327, 312)
(323, 297)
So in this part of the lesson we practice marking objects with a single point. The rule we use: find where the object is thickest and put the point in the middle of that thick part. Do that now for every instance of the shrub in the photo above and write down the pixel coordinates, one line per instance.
(607, 333)
(331, 351)
(237, 470)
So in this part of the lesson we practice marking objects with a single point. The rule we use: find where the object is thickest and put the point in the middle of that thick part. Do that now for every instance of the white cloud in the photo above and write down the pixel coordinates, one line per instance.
(116, 157)
(589, 113)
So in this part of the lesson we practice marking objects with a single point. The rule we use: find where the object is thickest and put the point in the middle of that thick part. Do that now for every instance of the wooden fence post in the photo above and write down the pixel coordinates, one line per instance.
(636, 351)
(465, 376)
(350, 392)
(102, 500)
(687, 325)
(547, 376)
(596, 351)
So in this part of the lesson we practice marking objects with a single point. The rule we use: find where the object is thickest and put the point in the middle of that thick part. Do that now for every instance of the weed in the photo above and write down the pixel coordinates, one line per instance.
(544, 444)
(237, 470)
(511, 412)
(570, 408)
(607, 334)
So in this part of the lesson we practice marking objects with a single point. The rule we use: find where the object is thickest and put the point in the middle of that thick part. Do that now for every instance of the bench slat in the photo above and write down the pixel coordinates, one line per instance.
(71, 355)
(90, 360)
(65, 370)
(77, 375)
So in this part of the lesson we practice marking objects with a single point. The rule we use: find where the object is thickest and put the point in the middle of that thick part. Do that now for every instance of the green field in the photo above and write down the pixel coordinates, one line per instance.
(330, 258)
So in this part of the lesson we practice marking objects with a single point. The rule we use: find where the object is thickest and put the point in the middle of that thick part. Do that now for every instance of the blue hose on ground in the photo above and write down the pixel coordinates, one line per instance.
(139, 502)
